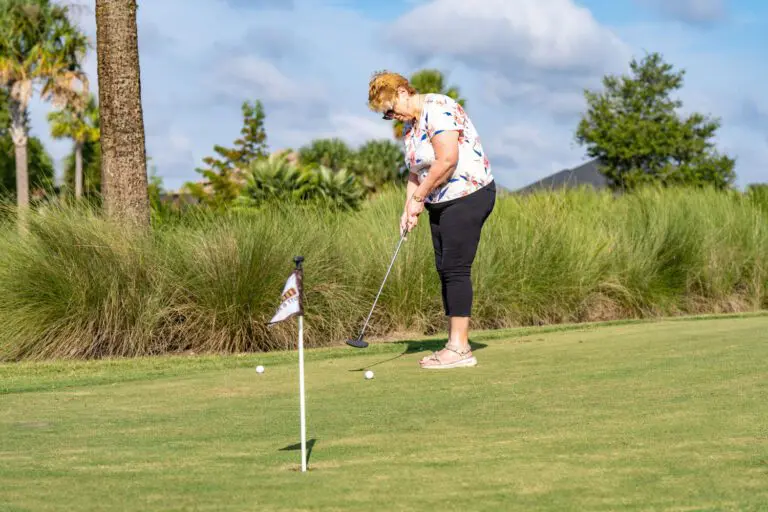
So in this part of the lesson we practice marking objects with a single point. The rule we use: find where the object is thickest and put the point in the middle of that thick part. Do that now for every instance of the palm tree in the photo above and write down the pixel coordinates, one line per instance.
(124, 162)
(80, 122)
(40, 164)
(38, 44)
(430, 81)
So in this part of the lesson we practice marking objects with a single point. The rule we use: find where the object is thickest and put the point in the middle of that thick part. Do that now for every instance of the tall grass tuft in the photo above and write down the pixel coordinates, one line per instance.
(76, 286)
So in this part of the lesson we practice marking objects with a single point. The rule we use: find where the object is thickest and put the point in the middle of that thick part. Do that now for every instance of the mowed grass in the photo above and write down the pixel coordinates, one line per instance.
(671, 415)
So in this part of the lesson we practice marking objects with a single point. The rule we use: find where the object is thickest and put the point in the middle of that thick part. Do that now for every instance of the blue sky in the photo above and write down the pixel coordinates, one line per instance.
(521, 64)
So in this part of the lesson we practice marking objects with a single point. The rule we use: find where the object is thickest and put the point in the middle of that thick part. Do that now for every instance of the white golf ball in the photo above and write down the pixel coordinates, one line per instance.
(259, 369)
(369, 374)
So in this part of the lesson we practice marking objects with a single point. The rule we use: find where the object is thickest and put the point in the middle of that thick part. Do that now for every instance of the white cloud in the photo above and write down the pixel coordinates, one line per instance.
(550, 35)
(535, 94)
(530, 56)
(353, 129)
(522, 143)
(173, 150)
(260, 78)
(358, 129)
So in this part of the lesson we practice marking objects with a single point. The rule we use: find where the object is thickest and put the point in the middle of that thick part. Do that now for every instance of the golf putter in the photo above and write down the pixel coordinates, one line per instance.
(359, 342)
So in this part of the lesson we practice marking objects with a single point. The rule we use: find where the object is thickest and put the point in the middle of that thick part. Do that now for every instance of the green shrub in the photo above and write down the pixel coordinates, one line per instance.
(276, 179)
(78, 287)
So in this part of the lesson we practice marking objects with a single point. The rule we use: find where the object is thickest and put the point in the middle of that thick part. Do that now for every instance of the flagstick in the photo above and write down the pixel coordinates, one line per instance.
(301, 398)
(302, 408)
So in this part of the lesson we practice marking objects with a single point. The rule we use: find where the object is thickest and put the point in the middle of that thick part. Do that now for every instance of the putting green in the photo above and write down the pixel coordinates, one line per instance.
(670, 415)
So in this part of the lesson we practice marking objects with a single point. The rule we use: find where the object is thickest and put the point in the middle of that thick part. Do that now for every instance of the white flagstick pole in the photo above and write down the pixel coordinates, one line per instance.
(301, 398)
(302, 406)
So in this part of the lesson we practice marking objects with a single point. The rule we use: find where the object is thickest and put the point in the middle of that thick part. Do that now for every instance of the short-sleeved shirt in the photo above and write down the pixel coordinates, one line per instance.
(473, 170)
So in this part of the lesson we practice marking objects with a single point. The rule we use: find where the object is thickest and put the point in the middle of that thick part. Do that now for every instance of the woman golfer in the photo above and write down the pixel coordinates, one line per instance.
(450, 176)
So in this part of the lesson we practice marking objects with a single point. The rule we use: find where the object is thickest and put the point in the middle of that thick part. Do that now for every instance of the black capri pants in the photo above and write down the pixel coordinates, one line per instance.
(456, 226)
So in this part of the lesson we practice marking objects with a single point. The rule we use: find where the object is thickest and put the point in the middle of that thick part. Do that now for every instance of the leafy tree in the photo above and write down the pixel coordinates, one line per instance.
(222, 186)
(224, 173)
(332, 153)
(638, 137)
(78, 121)
(38, 45)
(252, 144)
(378, 162)
(430, 81)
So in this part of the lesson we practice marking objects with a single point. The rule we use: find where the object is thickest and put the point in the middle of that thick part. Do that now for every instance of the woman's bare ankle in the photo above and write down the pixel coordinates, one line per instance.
(458, 345)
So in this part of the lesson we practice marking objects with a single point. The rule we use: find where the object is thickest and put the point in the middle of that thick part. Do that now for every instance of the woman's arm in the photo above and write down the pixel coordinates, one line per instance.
(407, 223)
(413, 184)
(446, 147)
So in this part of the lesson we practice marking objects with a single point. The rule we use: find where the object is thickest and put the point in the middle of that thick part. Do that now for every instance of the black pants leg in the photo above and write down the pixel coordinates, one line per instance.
(456, 227)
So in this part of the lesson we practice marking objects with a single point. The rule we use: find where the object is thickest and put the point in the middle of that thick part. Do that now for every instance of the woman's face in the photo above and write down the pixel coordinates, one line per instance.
(396, 110)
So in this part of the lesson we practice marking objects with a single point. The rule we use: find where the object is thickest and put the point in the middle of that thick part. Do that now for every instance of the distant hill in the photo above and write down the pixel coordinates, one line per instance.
(585, 174)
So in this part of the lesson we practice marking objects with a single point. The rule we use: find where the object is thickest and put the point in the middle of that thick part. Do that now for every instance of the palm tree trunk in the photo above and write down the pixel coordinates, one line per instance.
(78, 170)
(20, 137)
(124, 163)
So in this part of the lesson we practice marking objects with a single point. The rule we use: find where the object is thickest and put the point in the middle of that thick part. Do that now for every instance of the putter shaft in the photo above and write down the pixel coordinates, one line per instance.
(397, 249)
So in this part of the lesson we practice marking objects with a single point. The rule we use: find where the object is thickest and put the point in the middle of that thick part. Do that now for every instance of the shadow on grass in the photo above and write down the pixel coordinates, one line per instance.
(415, 346)
(297, 447)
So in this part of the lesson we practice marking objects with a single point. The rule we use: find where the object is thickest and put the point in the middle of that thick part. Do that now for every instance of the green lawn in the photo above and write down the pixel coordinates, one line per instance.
(637, 416)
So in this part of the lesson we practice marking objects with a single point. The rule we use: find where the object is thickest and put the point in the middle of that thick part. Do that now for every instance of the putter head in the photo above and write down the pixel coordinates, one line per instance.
(357, 342)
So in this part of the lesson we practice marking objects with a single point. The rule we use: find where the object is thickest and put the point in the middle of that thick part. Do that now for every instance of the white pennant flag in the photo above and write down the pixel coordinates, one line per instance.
(290, 300)
(291, 305)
